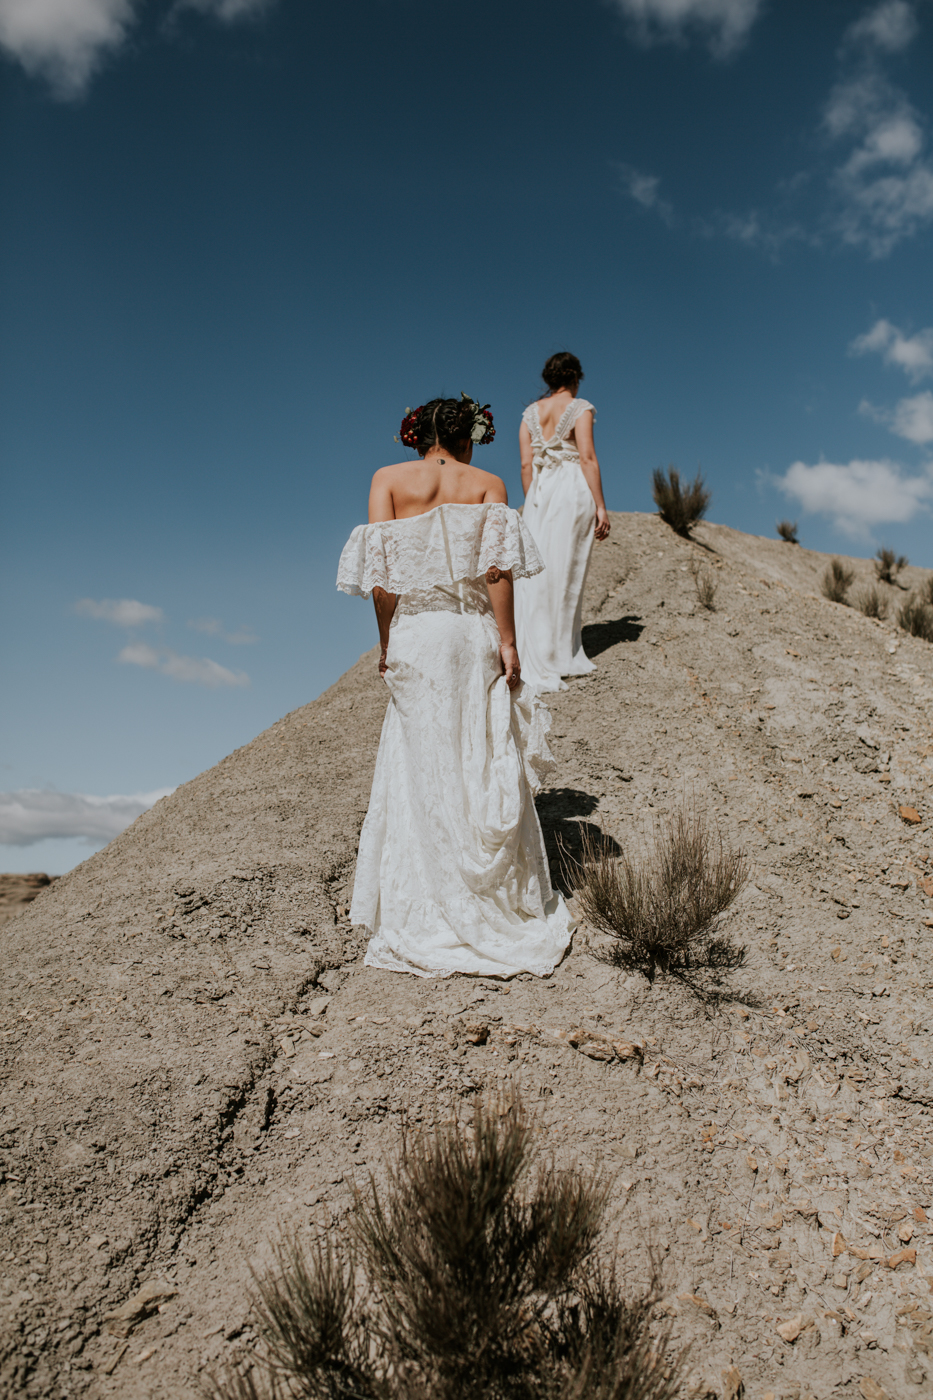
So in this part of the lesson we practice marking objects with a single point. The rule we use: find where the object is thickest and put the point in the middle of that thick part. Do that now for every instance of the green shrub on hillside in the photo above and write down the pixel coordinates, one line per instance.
(888, 565)
(836, 582)
(679, 505)
(661, 912)
(705, 585)
(872, 602)
(470, 1276)
(916, 617)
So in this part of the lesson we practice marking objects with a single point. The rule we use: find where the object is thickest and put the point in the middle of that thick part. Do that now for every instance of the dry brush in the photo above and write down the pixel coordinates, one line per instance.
(478, 1273)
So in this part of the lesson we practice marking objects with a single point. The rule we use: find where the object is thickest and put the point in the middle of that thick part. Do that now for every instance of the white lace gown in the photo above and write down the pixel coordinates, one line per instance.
(560, 513)
(451, 874)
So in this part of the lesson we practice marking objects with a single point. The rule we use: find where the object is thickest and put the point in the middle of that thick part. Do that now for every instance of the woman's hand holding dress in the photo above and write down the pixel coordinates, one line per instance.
(511, 665)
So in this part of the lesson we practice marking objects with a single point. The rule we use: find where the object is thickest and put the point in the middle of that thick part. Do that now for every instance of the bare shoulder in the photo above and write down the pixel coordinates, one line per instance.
(494, 488)
(394, 469)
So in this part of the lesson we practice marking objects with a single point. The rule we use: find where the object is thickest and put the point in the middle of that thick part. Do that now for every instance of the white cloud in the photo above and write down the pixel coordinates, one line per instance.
(772, 237)
(725, 23)
(63, 41)
(200, 670)
(29, 815)
(913, 418)
(877, 174)
(913, 354)
(884, 187)
(124, 612)
(857, 494)
(890, 26)
(644, 189)
(227, 10)
(215, 628)
(910, 418)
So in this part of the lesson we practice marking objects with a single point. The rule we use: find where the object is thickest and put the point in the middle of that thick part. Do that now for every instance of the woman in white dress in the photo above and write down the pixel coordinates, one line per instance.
(451, 874)
(565, 512)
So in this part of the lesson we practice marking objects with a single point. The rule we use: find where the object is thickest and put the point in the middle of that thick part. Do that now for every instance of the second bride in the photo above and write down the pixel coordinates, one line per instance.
(565, 512)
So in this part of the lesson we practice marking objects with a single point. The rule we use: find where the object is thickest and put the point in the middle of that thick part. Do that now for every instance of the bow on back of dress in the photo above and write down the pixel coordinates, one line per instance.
(557, 449)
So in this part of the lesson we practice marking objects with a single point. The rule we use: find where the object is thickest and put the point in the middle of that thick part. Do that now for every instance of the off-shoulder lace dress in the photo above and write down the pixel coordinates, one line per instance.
(451, 874)
(560, 513)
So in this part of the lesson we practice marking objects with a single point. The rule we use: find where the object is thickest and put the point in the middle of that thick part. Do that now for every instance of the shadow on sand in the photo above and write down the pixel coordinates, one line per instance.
(560, 811)
(600, 636)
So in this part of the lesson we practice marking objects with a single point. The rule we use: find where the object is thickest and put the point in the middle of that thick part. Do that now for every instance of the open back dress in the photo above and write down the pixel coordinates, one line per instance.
(560, 513)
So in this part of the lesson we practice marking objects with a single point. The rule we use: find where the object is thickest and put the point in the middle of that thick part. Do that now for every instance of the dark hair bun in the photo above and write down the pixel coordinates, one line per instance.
(445, 423)
(562, 371)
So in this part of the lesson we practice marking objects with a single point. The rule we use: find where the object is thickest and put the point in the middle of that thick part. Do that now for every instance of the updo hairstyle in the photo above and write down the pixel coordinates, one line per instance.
(444, 423)
(562, 371)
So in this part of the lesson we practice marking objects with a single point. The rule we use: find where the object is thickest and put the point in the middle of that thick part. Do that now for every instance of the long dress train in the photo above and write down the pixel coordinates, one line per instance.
(451, 874)
(560, 513)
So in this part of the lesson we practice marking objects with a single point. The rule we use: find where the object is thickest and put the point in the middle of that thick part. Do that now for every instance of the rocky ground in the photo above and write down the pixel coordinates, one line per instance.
(194, 1058)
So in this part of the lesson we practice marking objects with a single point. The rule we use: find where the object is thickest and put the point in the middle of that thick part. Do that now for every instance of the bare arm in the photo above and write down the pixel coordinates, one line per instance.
(496, 490)
(589, 465)
(385, 611)
(501, 591)
(382, 507)
(381, 504)
(527, 456)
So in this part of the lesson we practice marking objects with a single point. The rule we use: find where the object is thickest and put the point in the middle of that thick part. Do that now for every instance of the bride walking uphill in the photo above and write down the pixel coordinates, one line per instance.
(565, 512)
(451, 874)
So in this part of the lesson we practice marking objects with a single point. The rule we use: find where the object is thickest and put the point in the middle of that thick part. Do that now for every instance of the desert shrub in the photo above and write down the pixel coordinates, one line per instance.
(705, 585)
(787, 531)
(679, 505)
(925, 591)
(872, 602)
(661, 912)
(916, 617)
(473, 1275)
(888, 565)
(836, 582)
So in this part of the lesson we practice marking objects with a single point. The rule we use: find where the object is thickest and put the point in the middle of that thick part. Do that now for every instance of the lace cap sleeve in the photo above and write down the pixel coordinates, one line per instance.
(581, 406)
(447, 545)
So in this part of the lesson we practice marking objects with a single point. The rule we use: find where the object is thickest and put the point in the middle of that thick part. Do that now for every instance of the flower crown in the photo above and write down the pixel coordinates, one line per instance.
(481, 431)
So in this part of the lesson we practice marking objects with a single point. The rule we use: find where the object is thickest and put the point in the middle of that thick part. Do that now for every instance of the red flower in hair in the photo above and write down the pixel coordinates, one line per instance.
(409, 432)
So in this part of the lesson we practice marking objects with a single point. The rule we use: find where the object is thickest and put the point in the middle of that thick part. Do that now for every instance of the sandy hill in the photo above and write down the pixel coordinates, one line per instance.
(193, 1054)
(19, 890)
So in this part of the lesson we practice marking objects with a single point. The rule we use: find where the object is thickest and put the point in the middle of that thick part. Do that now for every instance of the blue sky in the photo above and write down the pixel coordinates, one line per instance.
(239, 237)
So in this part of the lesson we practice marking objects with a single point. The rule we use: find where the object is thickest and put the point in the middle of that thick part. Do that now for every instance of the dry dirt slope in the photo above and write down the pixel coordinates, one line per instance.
(193, 1054)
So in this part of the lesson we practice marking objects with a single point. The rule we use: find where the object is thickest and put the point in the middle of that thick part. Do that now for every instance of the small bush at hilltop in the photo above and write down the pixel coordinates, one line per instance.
(916, 617)
(787, 531)
(872, 602)
(468, 1278)
(679, 506)
(836, 582)
(888, 565)
(661, 912)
